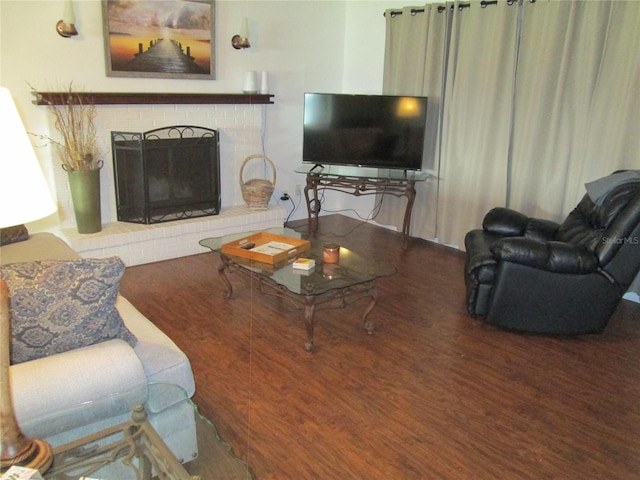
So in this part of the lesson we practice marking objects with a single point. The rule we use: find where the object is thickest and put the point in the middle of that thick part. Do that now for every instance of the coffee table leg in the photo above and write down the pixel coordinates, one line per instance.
(222, 272)
(309, 309)
(368, 324)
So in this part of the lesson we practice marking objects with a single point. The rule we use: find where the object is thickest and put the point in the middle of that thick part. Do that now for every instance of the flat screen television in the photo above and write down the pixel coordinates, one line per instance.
(380, 131)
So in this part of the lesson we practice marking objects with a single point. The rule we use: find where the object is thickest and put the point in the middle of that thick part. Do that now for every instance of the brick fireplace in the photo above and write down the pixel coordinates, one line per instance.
(239, 127)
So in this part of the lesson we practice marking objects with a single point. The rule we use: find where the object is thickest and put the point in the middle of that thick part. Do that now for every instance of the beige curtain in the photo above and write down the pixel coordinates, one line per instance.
(535, 100)
(414, 61)
(577, 102)
(477, 118)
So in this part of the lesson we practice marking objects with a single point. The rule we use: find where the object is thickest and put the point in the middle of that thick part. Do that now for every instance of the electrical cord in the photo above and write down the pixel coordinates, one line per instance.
(295, 207)
(371, 216)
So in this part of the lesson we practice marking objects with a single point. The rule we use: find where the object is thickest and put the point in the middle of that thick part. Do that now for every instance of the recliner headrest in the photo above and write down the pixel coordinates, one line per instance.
(601, 228)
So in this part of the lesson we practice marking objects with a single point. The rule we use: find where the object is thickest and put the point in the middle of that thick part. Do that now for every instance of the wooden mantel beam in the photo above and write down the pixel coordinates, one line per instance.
(118, 98)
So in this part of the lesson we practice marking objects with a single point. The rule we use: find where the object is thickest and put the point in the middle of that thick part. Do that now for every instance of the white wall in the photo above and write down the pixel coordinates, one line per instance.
(330, 46)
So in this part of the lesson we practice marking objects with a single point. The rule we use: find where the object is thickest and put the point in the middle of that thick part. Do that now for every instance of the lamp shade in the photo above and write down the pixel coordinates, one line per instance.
(24, 193)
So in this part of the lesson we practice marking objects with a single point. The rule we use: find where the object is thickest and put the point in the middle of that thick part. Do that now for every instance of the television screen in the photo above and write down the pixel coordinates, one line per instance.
(381, 131)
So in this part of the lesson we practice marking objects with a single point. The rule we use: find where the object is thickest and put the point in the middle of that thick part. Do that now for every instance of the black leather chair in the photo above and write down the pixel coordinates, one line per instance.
(534, 275)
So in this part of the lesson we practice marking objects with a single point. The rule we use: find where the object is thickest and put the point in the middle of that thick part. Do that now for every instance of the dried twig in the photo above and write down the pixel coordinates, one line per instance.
(74, 120)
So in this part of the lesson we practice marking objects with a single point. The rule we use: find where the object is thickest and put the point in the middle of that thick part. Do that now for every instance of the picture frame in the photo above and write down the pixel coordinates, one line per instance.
(166, 39)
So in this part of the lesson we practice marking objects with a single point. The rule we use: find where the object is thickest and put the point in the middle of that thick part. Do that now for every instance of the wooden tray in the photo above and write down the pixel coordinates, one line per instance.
(269, 247)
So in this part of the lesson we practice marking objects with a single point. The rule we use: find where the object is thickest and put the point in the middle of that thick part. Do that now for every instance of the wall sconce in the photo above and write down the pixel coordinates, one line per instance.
(66, 27)
(242, 40)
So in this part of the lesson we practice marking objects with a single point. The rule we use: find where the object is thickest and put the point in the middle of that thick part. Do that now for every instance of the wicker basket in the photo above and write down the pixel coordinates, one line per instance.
(257, 191)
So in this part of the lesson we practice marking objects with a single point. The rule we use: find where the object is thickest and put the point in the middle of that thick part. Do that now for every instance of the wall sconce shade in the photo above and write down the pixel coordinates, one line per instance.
(242, 40)
(66, 27)
(24, 193)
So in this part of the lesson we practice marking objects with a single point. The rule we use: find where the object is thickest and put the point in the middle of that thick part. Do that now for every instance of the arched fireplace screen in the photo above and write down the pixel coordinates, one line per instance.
(166, 174)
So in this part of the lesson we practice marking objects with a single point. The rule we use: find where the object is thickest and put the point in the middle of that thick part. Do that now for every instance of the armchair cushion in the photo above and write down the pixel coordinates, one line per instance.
(543, 230)
(58, 306)
(550, 256)
(45, 388)
(17, 233)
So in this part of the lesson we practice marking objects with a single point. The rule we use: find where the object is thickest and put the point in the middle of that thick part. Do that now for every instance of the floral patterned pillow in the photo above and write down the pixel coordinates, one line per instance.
(58, 306)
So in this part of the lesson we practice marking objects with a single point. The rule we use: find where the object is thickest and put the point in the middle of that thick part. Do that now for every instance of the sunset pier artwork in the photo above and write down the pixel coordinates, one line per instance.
(163, 56)
(169, 39)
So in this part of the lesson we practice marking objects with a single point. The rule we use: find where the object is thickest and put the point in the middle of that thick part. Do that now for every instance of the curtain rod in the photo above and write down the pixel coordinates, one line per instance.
(413, 11)
(441, 9)
(461, 6)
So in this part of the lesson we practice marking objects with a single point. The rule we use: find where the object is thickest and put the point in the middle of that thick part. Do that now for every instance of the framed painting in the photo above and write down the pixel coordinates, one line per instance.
(159, 38)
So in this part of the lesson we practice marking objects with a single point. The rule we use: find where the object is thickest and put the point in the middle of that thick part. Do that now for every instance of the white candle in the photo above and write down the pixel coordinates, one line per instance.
(69, 16)
(244, 28)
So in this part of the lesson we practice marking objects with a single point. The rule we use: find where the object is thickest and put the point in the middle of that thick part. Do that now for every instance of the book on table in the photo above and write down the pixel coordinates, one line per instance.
(304, 263)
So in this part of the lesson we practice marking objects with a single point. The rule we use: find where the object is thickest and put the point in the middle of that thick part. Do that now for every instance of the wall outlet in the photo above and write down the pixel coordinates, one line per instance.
(298, 190)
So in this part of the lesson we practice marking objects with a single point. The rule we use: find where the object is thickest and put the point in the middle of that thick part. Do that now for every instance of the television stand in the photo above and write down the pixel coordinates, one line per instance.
(360, 181)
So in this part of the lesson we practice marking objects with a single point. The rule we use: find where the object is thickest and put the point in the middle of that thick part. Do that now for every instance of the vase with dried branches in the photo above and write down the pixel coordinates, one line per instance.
(78, 150)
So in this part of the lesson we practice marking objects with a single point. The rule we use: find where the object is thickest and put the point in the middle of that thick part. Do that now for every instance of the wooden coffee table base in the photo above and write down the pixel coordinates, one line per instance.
(337, 298)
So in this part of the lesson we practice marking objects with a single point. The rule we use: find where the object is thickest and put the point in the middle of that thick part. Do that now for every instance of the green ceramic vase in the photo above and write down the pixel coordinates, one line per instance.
(85, 193)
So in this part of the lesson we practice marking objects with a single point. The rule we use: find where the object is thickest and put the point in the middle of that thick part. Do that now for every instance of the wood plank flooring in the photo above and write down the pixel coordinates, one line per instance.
(432, 394)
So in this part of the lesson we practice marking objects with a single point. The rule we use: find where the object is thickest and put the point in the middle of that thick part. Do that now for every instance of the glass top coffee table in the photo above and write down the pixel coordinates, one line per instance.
(151, 432)
(334, 285)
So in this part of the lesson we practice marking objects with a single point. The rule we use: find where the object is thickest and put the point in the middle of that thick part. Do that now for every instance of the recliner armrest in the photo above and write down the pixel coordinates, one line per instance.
(552, 256)
(511, 223)
(505, 221)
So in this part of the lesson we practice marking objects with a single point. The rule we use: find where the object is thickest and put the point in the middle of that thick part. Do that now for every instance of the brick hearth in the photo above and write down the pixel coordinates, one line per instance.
(137, 244)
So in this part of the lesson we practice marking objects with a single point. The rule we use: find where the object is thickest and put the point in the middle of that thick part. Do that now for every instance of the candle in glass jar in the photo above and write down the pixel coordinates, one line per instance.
(331, 253)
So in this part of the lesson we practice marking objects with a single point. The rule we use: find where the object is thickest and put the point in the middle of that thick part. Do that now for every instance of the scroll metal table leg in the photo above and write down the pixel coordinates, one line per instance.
(224, 266)
(410, 193)
(309, 310)
(368, 324)
(312, 217)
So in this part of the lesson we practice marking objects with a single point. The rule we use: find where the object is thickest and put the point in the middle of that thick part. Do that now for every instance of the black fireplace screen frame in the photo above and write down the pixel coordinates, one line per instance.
(166, 174)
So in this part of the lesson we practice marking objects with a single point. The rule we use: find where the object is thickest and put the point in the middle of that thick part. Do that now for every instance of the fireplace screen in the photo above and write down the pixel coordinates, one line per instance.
(166, 174)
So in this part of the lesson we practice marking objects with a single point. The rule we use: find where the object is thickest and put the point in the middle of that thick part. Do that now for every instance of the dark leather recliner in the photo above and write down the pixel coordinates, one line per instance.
(534, 275)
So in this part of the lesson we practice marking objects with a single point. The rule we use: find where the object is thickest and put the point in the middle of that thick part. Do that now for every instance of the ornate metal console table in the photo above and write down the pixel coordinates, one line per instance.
(360, 181)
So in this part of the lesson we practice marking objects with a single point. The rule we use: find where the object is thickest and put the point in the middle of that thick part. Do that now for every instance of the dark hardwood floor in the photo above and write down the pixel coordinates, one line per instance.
(432, 394)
